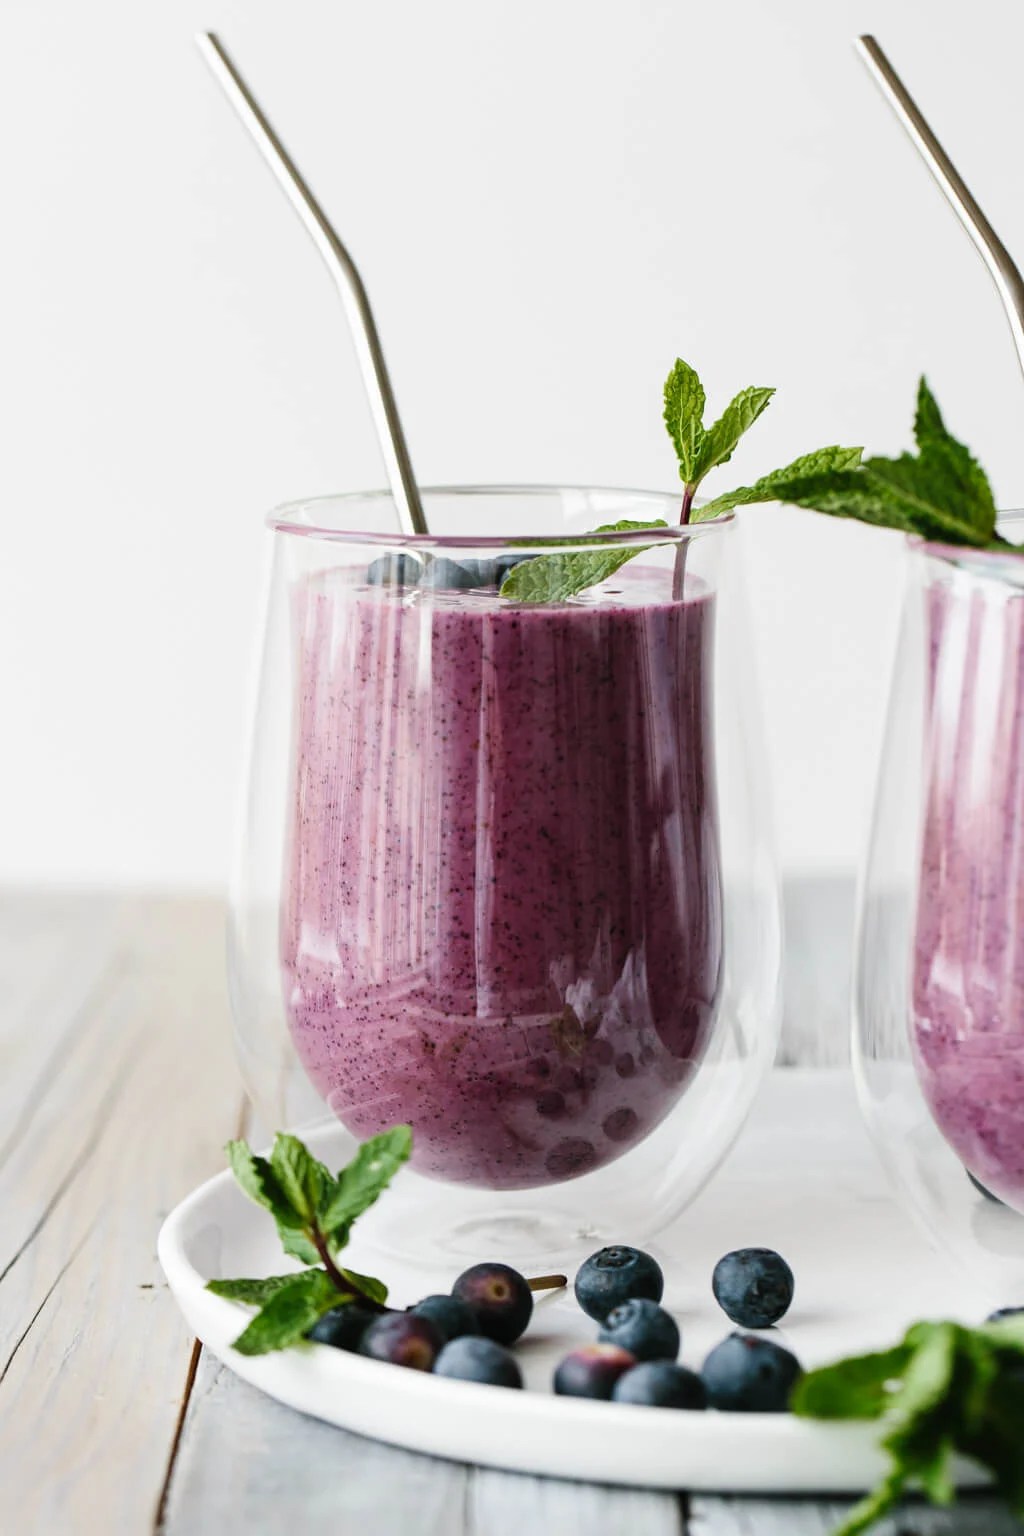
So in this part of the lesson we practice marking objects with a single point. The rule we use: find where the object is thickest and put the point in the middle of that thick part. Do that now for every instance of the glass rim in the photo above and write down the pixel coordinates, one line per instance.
(955, 554)
(285, 518)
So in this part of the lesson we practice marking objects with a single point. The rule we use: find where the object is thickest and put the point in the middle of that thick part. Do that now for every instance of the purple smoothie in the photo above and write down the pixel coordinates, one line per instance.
(502, 920)
(968, 976)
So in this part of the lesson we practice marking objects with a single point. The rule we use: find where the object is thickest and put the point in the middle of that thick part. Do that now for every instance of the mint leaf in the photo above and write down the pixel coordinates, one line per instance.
(857, 1388)
(299, 1175)
(261, 1183)
(290, 1313)
(366, 1176)
(944, 1389)
(960, 479)
(553, 578)
(739, 415)
(684, 418)
(252, 1292)
(366, 1285)
(810, 474)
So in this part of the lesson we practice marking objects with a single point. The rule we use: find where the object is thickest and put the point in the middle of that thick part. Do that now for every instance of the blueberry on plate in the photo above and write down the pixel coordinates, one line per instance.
(343, 1327)
(661, 1384)
(393, 571)
(642, 1327)
(592, 1370)
(500, 1298)
(450, 1316)
(614, 1275)
(753, 1286)
(473, 1358)
(745, 1374)
(402, 1339)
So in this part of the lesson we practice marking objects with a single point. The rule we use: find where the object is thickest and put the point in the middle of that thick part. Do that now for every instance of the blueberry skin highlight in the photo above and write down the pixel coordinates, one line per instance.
(393, 571)
(343, 1327)
(661, 1384)
(753, 1286)
(592, 1371)
(744, 1374)
(500, 1298)
(450, 1316)
(473, 1358)
(642, 1327)
(402, 1339)
(614, 1275)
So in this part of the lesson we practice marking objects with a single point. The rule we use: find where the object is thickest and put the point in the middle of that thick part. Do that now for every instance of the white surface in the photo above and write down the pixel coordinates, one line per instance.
(861, 1274)
(548, 203)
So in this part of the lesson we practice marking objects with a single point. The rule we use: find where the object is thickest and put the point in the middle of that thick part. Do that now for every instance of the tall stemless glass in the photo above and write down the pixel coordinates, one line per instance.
(939, 1015)
(506, 872)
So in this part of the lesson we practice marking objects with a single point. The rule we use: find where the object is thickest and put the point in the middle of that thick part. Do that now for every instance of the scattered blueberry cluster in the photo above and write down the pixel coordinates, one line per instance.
(468, 1334)
(438, 573)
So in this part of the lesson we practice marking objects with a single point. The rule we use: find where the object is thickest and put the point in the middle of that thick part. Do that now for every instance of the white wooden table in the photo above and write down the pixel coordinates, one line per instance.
(117, 1092)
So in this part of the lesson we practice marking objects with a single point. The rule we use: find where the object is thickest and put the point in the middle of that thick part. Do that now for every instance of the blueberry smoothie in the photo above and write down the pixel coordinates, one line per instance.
(502, 914)
(968, 971)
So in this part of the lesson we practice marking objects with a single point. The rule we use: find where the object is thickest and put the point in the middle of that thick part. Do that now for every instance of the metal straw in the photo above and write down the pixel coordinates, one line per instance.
(343, 270)
(993, 252)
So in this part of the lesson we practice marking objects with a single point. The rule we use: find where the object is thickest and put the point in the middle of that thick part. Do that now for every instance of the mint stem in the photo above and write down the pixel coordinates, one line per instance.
(338, 1280)
(688, 494)
(547, 1282)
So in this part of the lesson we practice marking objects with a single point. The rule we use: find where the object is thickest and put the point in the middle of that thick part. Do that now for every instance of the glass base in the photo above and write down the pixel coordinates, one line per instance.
(421, 1224)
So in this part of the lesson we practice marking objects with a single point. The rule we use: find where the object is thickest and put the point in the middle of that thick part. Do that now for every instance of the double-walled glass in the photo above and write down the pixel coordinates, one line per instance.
(506, 871)
(939, 1026)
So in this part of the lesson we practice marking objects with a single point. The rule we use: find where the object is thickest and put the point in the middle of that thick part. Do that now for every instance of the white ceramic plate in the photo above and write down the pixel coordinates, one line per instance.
(216, 1231)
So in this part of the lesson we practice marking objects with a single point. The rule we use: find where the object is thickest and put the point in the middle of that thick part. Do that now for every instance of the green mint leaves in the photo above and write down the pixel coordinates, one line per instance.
(939, 492)
(553, 578)
(945, 1389)
(699, 448)
(314, 1211)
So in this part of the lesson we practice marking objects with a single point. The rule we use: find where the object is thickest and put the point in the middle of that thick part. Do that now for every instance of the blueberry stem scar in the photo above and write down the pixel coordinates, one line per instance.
(547, 1282)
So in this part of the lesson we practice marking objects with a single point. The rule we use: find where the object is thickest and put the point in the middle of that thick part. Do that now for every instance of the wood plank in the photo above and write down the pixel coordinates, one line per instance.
(247, 1463)
(974, 1515)
(121, 1033)
(508, 1504)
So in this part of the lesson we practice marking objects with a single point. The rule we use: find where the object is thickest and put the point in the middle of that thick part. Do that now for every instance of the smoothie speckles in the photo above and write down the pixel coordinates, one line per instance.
(502, 915)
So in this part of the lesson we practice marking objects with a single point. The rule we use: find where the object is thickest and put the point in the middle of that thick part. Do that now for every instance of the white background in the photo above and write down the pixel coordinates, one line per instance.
(549, 199)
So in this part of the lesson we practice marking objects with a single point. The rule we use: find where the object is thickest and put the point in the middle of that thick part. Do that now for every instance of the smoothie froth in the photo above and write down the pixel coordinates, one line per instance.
(502, 919)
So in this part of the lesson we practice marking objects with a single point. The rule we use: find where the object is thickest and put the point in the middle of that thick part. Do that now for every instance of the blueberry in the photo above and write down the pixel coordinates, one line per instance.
(475, 1359)
(744, 1374)
(403, 1339)
(343, 1327)
(979, 1186)
(500, 1297)
(661, 1384)
(592, 1370)
(450, 1316)
(482, 573)
(393, 571)
(642, 1327)
(443, 575)
(753, 1287)
(1002, 1312)
(614, 1275)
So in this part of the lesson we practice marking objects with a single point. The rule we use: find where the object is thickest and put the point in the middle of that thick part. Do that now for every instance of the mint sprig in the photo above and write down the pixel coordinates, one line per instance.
(945, 1389)
(553, 578)
(314, 1211)
(940, 492)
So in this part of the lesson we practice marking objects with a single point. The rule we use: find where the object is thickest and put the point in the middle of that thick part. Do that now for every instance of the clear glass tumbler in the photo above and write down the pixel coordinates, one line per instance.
(506, 871)
(939, 1011)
